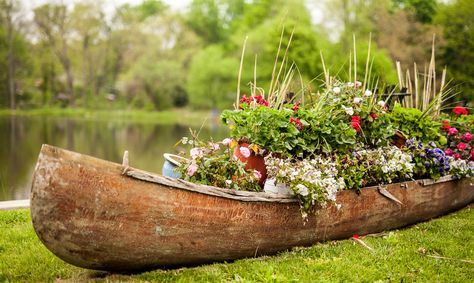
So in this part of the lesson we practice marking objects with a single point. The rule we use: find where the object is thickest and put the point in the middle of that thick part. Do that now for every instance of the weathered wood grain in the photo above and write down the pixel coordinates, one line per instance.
(90, 215)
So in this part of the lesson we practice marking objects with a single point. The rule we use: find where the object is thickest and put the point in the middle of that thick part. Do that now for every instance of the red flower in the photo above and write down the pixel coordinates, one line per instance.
(446, 125)
(448, 152)
(296, 106)
(462, 146)
(356, 123)
(459, 110)
(297, 123)
(355, 236)
(374, 115)
(257, 99)
(457, 156)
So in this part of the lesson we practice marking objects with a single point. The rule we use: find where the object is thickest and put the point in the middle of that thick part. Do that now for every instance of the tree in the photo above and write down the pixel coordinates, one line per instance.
(13, 54)
(53, 22)
(424, 10)
(458, 52)
(88, 21)
(212, 78)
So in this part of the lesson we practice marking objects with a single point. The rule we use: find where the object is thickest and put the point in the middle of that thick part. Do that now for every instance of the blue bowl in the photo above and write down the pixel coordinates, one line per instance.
(170, 165)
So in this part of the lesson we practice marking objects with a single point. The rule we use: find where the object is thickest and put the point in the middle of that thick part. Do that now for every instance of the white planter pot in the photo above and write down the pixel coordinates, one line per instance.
(279, 189)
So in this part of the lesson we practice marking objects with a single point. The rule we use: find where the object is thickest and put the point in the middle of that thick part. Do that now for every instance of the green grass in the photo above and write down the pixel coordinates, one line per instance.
(174, 116)
(401, 255)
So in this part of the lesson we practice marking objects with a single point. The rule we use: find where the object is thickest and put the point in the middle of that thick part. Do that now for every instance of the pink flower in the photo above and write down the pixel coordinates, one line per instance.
(467, 137)
(462, 146)
(472, 154)
(257, 174)
(226, 141)
(192, 169)
(196, 153)
(452, 131)
(214, 146)
(244, 151)
(457, 156)
(448, 152)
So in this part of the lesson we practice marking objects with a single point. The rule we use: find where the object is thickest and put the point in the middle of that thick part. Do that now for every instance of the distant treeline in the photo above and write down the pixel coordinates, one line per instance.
(149, 56)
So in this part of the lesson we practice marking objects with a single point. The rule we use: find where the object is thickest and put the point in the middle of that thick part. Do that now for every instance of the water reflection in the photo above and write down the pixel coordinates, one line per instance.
(21, 139)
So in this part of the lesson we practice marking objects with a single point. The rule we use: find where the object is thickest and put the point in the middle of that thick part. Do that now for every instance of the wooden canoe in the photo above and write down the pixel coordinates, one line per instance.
(90, 214)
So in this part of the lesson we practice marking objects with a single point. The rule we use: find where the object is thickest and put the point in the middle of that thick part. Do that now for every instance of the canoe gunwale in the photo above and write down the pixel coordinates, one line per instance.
(247, 195)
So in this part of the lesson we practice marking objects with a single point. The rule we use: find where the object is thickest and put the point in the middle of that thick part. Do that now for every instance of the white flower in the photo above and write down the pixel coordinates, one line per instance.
(338, 206)
(196, 152)
(336, 90)
(381, 103)
(358, 84)
(244, 151)
(348, 110)
(184, 140)
(350, 84)
(226, 141)
(302, 190)
(357, 100)
(228, 182)
(368, 93)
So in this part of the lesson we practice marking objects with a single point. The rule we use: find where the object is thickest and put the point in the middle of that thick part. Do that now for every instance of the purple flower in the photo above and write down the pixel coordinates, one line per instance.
(226, 141)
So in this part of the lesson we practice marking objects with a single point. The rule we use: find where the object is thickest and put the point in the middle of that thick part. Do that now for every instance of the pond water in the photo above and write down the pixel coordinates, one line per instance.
(22, 137)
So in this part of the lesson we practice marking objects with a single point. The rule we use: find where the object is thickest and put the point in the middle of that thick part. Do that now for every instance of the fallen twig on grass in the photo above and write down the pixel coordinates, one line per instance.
(362, 243)
(448, 258)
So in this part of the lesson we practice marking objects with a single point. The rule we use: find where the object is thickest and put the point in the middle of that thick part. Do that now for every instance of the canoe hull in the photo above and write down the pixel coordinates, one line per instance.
(90, 215)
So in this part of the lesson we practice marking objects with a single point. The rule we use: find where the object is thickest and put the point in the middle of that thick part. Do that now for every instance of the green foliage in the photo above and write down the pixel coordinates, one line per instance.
(212, 78)
(24, 258)
(424, 10)
(458, 51)
(414, 124)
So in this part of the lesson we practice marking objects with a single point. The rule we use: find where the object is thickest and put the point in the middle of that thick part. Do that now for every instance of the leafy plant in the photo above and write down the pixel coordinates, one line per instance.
(414, 124)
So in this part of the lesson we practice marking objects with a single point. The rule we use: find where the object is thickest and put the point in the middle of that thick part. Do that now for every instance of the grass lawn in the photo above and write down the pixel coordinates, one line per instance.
(174, 116)
(401, 255)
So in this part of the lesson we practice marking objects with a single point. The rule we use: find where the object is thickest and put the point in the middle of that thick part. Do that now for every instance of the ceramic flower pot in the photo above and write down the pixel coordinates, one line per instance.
(252, 161)
(280, 189)
(172, 161)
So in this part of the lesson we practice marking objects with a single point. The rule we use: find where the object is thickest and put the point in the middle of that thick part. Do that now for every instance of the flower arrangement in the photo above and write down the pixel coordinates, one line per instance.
(213, 164)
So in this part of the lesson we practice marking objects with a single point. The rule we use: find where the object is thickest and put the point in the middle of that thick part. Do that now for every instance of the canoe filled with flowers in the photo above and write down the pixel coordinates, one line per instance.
(92, 214)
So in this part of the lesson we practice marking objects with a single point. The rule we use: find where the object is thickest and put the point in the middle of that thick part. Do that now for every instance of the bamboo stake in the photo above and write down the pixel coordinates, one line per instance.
(255, 78)
(367, 63)
(236, 106)
(355, 58)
